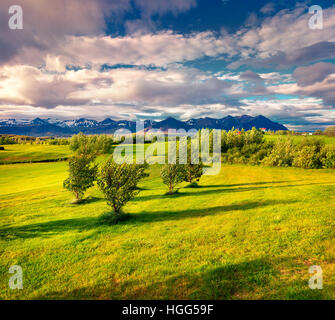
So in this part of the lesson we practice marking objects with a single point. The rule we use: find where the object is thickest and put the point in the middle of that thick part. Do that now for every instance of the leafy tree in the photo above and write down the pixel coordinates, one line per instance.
(307, 157)
(330, 131)
(308, 153)
(7, 140)
(282, 154)
(118, 182)
(172, 175)
(101, 144)
(82, 174)
(328, 156)
(193, 171)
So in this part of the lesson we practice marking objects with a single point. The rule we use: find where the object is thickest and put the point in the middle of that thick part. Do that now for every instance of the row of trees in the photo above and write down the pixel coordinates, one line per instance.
(119, 182)
(8, 140)
(102, 144)
(307, 154)
(250, 147)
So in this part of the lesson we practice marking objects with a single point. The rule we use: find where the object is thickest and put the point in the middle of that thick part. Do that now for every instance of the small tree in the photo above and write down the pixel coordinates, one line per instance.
(82, 175)
(193, 171)
(172, 175)
(118, 182)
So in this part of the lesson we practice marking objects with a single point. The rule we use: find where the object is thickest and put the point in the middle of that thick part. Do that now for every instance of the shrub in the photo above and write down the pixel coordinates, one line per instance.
(306, 157)
(254, 136)
(82, 175)
(7, 140)
(282, 154)
(193, 171)
(172, 175)
(328, 156)
(58, 142)
(257, 157)
(118, 182)
(312, 142)
(308, 154)
(240, 146)
(234, 155)
(91, 144)
(330, 131)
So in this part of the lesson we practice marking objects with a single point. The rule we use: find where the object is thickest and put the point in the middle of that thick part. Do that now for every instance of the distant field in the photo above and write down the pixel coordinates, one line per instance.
(327, 140)
(16, 153)
(248, 233)
(26, 153)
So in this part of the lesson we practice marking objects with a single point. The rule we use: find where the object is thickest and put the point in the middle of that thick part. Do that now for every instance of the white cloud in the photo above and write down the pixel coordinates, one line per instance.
(34, 75)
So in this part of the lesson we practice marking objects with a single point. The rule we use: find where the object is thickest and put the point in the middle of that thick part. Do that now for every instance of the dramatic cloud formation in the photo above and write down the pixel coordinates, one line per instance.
(309, 75)
(69, 61)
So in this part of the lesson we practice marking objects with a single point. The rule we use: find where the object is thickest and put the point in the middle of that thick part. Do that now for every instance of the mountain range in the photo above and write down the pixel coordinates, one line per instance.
(51, 127)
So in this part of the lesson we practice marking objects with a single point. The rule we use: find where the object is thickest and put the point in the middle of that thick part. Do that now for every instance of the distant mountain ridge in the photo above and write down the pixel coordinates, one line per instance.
(52, 127)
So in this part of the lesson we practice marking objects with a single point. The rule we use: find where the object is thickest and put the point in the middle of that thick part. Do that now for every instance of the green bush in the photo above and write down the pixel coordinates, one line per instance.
(328, 156)
(282, 154)
(257, 157)
(193, 171)
(100, 144)
(7, 140)
(82, 175)
(172, 175)
(330, 131)
(58, 142)
(307, 157)
(243, 146)
(118, 182)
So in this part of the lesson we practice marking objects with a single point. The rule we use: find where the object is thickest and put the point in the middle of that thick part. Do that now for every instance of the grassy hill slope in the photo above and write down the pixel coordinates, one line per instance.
(250, 232)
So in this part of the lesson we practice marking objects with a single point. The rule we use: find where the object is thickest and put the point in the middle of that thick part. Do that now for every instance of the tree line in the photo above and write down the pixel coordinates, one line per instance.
(119, 182)
(250, 147)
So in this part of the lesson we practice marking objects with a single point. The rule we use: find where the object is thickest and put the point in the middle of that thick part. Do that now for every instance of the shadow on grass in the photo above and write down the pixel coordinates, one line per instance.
(90, 200)
(47, 229)
(50, 228)
(252, 279)
(219, 190)
(146, 216)
(245, 184)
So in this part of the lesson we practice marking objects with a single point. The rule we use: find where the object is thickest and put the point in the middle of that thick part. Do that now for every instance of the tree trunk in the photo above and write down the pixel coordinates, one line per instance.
(117, 212)
(171, 188)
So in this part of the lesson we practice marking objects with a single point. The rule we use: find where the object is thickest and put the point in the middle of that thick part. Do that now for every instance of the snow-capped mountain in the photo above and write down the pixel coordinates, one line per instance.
(53, 127)
(80, 123)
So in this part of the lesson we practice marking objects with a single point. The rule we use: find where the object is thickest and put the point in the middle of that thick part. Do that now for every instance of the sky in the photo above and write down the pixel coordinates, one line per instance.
(150, 59)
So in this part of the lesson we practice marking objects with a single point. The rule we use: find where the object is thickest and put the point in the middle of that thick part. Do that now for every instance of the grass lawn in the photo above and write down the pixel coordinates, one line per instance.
(297, 139)
(15, 153)
(248, 233)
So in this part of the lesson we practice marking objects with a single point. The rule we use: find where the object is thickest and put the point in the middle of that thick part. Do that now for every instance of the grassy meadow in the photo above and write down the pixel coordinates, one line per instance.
(297, 139)
(21, 153)
(250, 232)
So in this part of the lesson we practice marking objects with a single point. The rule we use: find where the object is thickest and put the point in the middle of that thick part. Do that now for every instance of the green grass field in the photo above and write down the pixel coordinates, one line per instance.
(16, 153)
(297, 139)
(248, 233)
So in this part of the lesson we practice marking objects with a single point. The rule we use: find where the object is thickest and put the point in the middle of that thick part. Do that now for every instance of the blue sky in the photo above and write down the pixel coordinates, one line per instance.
(136, 59)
